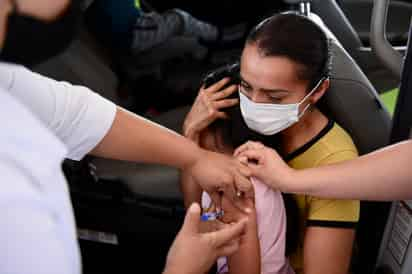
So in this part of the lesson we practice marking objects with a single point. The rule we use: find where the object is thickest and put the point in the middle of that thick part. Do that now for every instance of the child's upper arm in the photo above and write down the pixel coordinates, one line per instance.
(271, 219)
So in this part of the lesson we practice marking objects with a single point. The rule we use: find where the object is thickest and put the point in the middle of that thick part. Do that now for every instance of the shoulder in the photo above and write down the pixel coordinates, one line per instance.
(335, 213)
(333, 145)
(264, 192)
(339, 138)
(337, 146)
(269, 204)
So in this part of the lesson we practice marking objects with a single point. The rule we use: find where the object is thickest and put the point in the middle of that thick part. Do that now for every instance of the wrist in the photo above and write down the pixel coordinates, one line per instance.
(191, 133)
(293, 182)
(195, 154)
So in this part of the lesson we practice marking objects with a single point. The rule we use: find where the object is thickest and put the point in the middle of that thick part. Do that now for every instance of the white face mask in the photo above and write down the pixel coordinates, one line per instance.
(269, 119)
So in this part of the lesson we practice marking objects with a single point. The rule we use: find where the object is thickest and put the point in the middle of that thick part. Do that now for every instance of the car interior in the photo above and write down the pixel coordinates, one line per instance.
(128, 213)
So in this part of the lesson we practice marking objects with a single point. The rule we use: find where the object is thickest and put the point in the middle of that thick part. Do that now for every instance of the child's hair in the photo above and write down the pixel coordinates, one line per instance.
(298, 38)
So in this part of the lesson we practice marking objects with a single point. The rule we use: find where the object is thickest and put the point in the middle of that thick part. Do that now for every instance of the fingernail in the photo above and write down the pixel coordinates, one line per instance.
(243, 160)
(194, 208)
(248, 210)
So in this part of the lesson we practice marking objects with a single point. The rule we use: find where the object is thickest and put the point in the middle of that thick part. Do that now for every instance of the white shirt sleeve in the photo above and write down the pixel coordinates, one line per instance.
(79, 117)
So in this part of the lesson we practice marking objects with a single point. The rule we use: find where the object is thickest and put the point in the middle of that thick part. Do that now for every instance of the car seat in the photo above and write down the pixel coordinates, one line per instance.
(355, 104)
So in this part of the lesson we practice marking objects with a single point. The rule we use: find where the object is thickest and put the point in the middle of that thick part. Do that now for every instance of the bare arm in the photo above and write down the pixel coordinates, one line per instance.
(196, 127)
(327, 250)
(247, 258)
(133, 138)
(207, 139)
(192, 192)
(382, 175)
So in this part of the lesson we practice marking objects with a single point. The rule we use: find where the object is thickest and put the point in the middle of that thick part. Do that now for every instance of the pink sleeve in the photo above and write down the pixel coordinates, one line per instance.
(206, 201)
(271, 219)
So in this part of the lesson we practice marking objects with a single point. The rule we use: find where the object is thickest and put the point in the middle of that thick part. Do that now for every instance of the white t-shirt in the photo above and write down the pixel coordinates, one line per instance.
(42, 122)
(76, 115)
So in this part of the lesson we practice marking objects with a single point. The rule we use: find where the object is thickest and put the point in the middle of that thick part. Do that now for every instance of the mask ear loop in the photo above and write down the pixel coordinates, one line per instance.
(327, 73)
(309, 94)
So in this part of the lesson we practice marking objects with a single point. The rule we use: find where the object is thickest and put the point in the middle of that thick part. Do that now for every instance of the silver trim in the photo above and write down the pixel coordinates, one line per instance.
(305, 8)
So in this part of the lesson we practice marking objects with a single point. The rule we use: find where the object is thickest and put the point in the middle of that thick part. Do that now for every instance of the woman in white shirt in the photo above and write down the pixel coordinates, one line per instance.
(45, 121)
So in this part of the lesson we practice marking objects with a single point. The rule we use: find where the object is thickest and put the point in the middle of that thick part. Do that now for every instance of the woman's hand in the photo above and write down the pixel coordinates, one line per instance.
(266, 165)
(195, 252)
(207, 108)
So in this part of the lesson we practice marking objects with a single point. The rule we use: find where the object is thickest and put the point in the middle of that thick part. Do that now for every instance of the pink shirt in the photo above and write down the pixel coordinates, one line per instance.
(271, 219)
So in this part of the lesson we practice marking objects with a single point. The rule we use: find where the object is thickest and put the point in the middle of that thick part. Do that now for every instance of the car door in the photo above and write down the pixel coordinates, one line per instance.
(359, 13)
